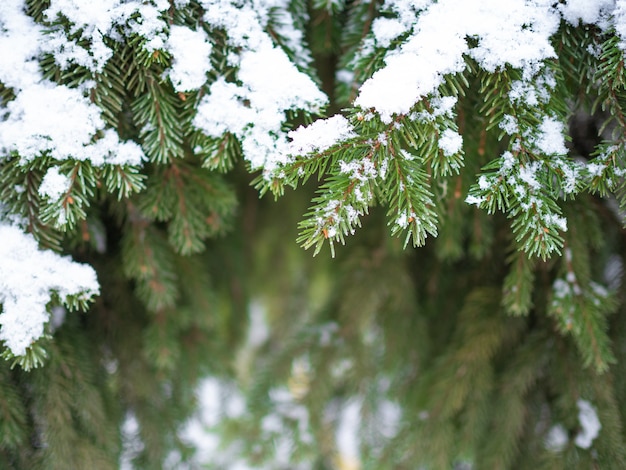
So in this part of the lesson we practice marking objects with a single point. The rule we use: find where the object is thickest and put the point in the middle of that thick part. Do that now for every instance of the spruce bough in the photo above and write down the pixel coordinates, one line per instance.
(489, 134)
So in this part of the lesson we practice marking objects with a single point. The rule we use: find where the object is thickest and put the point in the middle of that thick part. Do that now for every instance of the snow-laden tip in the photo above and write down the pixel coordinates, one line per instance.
(515, 33)
(28, 278)
(320, 135)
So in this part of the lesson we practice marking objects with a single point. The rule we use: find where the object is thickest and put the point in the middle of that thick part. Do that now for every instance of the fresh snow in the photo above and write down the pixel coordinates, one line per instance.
(528, 175)
(587, 11)
(551, 139)
(20, 35)
(191, 51)
(54, 184)
(347, 434)
(589, 423)
(254, 110)
(509, 124)
(619, 21)
(31, 123)
(557, 438)
(320, 135)
(450, 142)
(95, 20)
(515, 33)
(28, 278)
(33, 126)
(386, 30)
(62, 123)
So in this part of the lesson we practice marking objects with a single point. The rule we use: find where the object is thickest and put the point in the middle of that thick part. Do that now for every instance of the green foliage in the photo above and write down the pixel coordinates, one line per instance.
(477, 348)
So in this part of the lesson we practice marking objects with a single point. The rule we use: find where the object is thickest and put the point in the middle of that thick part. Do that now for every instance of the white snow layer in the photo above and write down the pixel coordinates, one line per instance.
(556, 439)
(589, 423)
(54, 184)
(270, 85)
(586, 11)
(347, 434)
(28, 277)
(191, 50)
(95, 20)
(60, 121)
(619, 21)
(450, 142)
(46, 117)
(320, 135)
(515, 32)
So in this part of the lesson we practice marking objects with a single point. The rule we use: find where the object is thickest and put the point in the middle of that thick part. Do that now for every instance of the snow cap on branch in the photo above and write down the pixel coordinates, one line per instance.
(191, 50)
(28, 278)
(32, 123)
(96, 20)
(33, 126)
(589, 423)
(54, 184)
(516, 32)
(320, 135)
(270, 85)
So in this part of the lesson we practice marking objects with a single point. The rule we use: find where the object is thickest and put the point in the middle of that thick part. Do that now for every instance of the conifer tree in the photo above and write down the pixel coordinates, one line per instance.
(169, 168)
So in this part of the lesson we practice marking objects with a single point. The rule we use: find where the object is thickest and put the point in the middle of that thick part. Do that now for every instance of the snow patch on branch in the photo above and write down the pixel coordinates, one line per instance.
(589, 423)
(515, 33)
(268, 85)
(619, 21)
(21, 36)
(319, 136)
(450, 142)
(28, 278)
(34, 125)
(556, 439)
(386, 30)
(587, 11)
(47, 118)
(95, 21)
(54, 184)
(551, 140)
(191, 51)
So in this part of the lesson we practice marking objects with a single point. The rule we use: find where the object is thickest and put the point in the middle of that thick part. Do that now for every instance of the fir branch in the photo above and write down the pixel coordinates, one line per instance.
(148, 259)
(20, 193)
(518, 284)
(155, 111)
